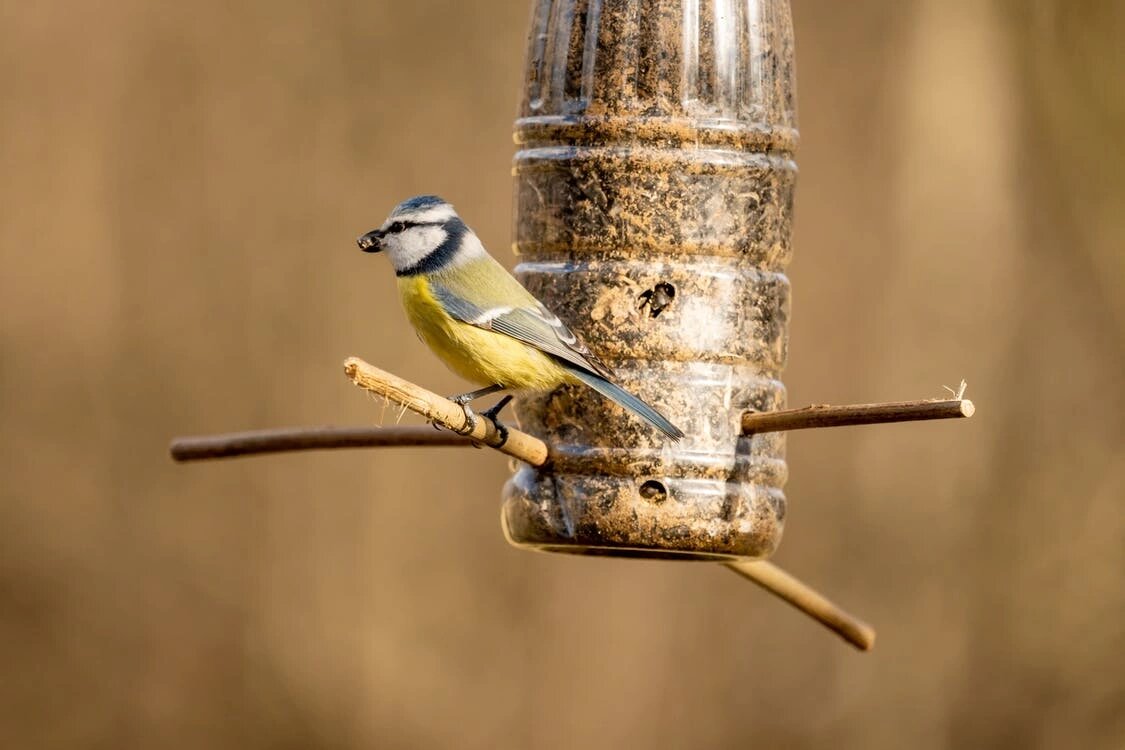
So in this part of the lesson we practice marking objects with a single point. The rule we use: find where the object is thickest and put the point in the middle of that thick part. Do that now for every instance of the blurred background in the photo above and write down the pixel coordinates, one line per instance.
(182, 186)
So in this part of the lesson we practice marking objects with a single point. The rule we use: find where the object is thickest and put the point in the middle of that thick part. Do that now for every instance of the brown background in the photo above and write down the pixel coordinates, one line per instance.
(181, 186)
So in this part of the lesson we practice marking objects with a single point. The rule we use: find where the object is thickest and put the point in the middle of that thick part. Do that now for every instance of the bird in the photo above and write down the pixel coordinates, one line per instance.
(480, 321)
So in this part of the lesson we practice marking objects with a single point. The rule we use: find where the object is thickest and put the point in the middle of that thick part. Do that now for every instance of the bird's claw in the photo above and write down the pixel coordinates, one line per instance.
(470, 420)
(493, 415)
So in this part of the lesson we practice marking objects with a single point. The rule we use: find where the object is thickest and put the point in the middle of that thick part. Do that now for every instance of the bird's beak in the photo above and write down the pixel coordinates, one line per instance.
(371, 242)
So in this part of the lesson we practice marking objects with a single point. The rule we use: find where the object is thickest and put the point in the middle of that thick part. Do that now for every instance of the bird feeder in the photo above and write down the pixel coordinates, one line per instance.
(653, 208)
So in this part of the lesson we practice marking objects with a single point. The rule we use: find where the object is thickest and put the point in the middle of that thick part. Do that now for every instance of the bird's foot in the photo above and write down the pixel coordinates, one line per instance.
(463, 400)
(501, 434)
(470, 420)
(493, 415)
(494, 412)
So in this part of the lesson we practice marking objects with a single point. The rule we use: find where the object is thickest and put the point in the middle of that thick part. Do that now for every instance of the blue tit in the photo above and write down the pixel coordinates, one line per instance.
(479, 319)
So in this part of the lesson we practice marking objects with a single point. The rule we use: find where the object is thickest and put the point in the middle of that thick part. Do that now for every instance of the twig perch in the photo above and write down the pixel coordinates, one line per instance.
(784, 586)
(534, 451)
(852, 414)
(444, 412)
(530, 449)
(308, 439)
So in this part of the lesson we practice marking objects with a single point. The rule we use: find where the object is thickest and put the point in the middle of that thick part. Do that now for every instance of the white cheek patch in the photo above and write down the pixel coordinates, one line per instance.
(471, 249)
(410, 247)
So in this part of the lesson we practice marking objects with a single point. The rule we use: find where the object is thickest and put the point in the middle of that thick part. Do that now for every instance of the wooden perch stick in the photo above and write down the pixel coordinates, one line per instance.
(519, 445)
(784, 586)
(534, 451)
(839, 416)
(307, 439)
(444, 412)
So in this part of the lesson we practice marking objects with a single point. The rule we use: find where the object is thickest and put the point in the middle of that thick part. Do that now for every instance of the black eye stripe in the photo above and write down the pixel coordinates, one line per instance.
(402, 226)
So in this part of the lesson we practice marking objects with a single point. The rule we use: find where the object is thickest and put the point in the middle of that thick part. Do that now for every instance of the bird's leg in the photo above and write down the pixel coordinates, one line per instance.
(463, 400)
(494, 414)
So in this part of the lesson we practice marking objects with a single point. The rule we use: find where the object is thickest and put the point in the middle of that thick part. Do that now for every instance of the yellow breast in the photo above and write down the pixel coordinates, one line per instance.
(478, 355)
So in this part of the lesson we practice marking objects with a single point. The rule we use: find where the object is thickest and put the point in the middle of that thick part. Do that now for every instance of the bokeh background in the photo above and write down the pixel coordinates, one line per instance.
(181, 187)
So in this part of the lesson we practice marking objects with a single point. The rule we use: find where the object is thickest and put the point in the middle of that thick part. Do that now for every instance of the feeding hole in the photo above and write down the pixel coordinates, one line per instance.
(657, 299)
(654, 491)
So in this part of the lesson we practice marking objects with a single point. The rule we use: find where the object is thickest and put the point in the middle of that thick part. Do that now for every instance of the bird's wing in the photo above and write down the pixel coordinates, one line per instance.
(527, 321)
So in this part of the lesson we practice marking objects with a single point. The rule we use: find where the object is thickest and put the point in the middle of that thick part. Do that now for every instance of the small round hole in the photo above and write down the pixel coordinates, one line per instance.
(654, 491)
(657, 299)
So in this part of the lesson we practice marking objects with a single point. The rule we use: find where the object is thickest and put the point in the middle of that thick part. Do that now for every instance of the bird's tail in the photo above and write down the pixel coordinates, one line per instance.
(622, 397)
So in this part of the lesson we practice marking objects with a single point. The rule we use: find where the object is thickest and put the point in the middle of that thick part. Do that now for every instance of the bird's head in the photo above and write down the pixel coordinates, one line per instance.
(422, 235)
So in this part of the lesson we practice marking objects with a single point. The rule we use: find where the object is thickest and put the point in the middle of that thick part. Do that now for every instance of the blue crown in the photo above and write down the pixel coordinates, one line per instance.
(420, 202)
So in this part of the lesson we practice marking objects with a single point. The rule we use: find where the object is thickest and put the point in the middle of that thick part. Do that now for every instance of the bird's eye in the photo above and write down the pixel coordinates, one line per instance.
(395, 228)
